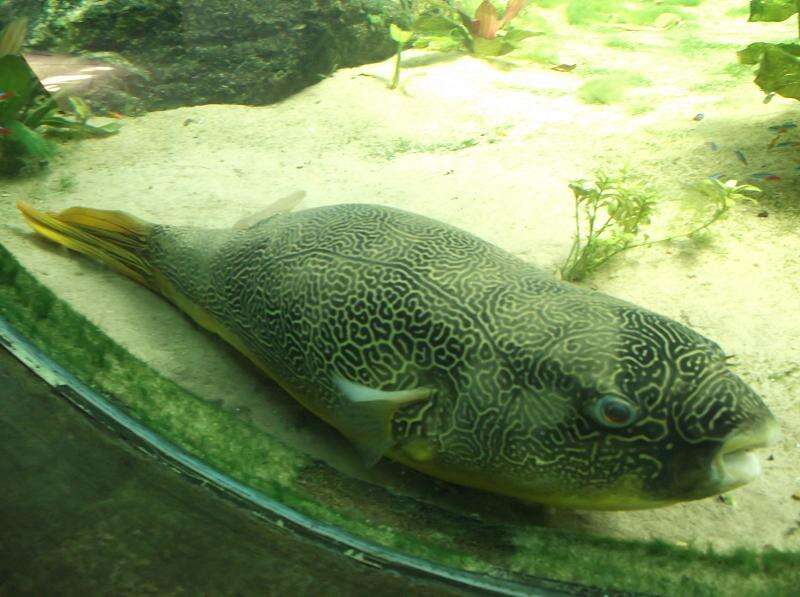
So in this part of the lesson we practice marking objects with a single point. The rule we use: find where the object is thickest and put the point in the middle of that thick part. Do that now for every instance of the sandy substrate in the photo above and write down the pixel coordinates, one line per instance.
(491, 150)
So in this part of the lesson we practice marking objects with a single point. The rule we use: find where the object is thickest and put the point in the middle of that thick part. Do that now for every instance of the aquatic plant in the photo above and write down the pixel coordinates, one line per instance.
(604, 12)
(610, 88)
(28, 111)
(778, 63)
(400, 37)
(610, 212)
(449, 25)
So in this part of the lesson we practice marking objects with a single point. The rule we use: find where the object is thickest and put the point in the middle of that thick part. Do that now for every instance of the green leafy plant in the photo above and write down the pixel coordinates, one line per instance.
(28, 111)
(610, 212)
(778, 63)
(663, 14)
(610, 88)
(401, 37)
(449, 25)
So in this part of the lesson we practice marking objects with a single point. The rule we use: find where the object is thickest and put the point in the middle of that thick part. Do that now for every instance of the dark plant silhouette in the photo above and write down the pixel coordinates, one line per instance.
(28, 111)
(440, 24)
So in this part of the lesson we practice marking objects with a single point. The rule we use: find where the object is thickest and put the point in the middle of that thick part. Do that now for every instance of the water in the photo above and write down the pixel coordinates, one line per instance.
(489, 145)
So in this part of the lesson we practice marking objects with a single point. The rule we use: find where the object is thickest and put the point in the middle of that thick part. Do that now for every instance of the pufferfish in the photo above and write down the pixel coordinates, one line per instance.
(427, 345)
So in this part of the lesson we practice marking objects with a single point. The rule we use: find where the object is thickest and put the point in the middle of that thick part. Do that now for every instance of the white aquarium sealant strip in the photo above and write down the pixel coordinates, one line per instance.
(266, 507)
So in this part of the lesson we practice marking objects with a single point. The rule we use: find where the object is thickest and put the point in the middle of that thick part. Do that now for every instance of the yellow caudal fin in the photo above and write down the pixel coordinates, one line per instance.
(111, 237)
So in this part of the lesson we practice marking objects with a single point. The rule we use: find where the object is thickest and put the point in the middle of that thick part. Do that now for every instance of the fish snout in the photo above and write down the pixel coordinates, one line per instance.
(735, 464)
(695, 471)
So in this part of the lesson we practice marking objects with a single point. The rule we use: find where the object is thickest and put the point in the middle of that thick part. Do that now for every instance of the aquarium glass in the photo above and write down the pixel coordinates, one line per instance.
(506, 288)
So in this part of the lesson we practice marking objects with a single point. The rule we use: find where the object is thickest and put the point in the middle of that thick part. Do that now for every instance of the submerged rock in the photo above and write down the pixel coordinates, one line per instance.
(214, 51)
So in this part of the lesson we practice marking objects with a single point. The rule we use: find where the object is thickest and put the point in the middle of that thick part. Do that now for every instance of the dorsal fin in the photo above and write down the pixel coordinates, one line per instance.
(366, 415)
(282, 205)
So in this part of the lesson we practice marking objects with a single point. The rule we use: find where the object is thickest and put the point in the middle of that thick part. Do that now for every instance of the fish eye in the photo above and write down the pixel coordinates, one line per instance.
(613, 411)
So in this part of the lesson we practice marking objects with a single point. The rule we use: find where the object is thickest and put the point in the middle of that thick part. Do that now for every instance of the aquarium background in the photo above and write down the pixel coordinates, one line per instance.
(224, 108)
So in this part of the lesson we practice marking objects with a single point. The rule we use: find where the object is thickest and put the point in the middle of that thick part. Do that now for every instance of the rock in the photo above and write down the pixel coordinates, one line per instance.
(216, 51)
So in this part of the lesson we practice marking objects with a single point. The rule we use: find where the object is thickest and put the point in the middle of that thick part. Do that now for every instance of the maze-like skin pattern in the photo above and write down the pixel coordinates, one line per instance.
(396, 301)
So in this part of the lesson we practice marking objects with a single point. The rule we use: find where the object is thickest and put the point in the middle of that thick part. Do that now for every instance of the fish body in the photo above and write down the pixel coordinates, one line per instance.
(430, 346)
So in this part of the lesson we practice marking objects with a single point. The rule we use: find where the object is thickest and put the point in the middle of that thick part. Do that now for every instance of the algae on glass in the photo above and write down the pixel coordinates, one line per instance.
(513, 541)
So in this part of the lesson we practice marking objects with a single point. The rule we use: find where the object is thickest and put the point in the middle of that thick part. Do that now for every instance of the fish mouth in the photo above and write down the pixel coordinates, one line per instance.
(734, 464)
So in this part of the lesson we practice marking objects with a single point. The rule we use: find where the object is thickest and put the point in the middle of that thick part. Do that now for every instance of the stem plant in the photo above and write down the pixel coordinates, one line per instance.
(610, 212)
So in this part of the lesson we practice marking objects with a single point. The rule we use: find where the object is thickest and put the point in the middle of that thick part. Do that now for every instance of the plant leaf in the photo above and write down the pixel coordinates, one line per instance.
(16, 78)
(33, 142)
(104, 130)
(65, 126)
(491, 47)
(752, 53)
(772, 10)
(401, 36)
(43, 110)
(514, 36)
(434, 25)
(438, 43)
(486, 21)
(512, 9)
(13, 36)
(780, 70)
(81, 108)
(749, 188)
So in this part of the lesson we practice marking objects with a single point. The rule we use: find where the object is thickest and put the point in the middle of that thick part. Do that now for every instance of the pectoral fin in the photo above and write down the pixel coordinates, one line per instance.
(366, 416)
(282, 205)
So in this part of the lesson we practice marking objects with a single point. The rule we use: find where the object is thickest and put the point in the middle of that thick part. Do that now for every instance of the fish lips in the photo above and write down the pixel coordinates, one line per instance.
(702, 470)
(735, 464)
